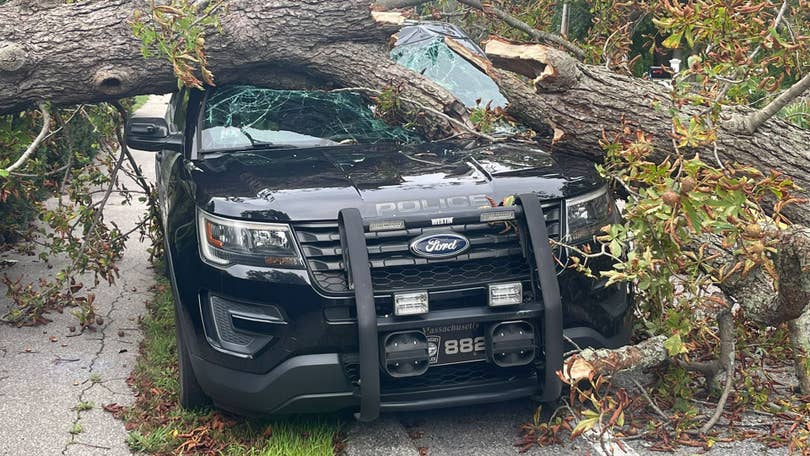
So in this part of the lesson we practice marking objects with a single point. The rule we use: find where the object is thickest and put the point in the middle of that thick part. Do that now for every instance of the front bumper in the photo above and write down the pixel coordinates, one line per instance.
(324, 383)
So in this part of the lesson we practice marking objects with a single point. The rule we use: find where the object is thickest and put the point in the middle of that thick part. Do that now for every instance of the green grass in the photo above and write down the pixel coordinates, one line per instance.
(159, 426)
(84, 406)
(140, 100)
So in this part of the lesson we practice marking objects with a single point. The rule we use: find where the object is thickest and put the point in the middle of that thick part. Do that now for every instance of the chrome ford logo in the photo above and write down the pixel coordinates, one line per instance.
(440, 245)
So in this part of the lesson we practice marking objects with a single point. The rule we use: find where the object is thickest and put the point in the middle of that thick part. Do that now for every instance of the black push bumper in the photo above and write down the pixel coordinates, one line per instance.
(529, 214)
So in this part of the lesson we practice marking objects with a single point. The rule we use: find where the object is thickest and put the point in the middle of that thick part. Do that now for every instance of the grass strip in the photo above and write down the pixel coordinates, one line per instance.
(158, 425)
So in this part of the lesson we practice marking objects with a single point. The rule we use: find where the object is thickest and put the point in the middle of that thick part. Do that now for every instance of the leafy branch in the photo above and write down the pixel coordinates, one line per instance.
(176, 31)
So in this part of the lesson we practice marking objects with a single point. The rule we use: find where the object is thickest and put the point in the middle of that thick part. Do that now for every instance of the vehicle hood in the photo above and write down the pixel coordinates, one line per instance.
(382, 180)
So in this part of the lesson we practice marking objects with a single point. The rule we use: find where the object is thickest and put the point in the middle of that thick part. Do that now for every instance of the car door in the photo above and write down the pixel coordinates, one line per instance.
(167, 161)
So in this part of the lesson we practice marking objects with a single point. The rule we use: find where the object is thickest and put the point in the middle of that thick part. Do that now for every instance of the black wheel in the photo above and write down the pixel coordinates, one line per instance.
(191, 394)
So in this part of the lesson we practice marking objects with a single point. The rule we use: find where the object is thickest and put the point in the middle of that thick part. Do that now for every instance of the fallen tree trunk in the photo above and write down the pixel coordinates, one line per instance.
(86, 52)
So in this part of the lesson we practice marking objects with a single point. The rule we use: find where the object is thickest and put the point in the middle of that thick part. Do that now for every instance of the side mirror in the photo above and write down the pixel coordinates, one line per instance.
(152, 134)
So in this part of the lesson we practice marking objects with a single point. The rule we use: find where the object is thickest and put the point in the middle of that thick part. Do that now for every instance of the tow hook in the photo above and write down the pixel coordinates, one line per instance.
(511, 343)
(405, 354)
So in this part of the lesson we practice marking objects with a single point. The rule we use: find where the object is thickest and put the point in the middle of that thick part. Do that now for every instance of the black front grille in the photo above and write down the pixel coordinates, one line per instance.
(456, 375)
(467, 374)
(495, 255)
(450, 274)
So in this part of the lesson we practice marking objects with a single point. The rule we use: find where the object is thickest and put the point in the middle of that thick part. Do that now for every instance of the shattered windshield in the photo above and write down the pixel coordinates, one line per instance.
(247, 117)
(432, 58)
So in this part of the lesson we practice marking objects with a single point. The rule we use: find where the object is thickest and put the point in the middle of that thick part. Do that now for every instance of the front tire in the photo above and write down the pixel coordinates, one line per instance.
(191, 394)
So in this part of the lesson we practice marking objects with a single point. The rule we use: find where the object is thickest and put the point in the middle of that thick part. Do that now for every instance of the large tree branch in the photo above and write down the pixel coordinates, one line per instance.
(586, 103)
(85, 52)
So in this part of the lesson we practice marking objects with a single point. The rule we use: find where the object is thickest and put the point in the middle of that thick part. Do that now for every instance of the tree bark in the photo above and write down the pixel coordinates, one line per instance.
(590, 363)
(800, 342)
(766, 301)
(85, 52)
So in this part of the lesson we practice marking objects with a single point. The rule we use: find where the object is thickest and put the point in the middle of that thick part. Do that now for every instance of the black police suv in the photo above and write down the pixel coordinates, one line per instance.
(322, 259)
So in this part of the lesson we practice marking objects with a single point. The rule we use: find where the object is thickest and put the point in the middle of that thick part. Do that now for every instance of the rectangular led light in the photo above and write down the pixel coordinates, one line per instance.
(410, 303)
(505, 294)
(387, 225)
(497, 216)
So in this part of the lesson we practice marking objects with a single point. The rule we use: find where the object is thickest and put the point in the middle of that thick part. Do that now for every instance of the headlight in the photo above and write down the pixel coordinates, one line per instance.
(588, 213)
(224, 242)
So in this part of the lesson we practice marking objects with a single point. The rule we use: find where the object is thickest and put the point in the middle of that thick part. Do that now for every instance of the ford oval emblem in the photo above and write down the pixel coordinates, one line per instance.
(440, 245)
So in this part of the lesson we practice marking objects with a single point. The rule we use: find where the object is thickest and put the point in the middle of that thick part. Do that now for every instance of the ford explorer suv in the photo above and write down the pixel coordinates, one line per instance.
(323, 260)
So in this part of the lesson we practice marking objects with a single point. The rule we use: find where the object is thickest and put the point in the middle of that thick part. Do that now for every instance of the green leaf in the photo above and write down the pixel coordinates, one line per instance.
(690, 38)
(4, 173)
(673, 41)
(674, 345)
(584, 425)
(615, 248)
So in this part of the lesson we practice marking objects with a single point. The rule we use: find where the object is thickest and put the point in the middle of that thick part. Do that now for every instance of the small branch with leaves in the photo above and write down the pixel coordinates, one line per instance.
(176, 31)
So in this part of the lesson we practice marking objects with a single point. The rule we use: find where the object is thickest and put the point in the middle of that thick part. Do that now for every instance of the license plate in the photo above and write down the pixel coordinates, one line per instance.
(456, 343)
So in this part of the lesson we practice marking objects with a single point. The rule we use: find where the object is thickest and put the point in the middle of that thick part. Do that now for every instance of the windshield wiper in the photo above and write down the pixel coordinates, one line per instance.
(256, 146)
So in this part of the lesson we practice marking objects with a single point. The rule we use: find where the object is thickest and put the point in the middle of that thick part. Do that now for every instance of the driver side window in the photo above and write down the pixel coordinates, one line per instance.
(178, 110)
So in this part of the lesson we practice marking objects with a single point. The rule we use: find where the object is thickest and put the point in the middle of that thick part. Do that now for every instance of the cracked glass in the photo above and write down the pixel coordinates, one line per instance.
(248, 117)
(432, 58)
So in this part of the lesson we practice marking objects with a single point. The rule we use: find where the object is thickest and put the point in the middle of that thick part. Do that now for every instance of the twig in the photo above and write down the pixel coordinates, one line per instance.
(139, 178)
(100, 209)
(779, 16)
(727, 357)
(63, 123)
(626, 187)
(571, 341)
(717, 157)
(46, 125)
(210, 12)
(727, 84)
(526, 28)
(419, 160)
(100, 447)
(650, 400)
(123, 145)
(59, 359)
(584, 254)
(49, 173)
(604, 48)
